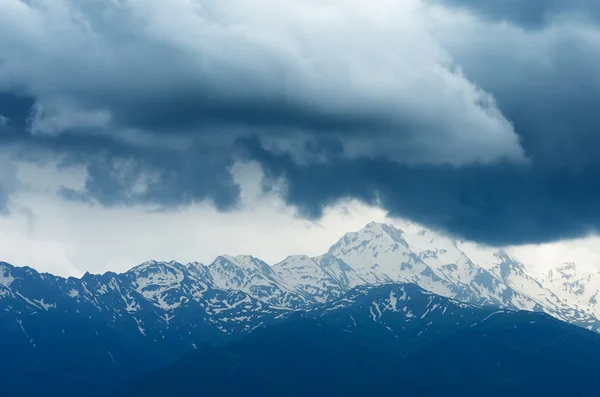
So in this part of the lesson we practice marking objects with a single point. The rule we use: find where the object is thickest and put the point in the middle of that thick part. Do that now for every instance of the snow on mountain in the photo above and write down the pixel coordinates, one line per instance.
(340, 271)
(405, 312)
(166, 284)
(6, 277)
(304, 274)
(379, 252)
(235, 294)
(575, 283)
(320, 279)
(438, 264)
(431, 261)
(453, 265)
(379, 280)
(256, 278)
(378, 247)
(167, 303)
(515, 275)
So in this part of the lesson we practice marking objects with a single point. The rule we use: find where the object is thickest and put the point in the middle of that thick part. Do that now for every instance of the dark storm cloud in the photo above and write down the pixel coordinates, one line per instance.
(148, 98)
(120, 172)
(532, 14)
(486, 130)
(198, 67)
(546, 85)
(162, 178)
(501, 204)
(550, 93)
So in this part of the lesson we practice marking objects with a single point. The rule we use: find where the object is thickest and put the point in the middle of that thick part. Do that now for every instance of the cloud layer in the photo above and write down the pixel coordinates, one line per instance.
(477, 119)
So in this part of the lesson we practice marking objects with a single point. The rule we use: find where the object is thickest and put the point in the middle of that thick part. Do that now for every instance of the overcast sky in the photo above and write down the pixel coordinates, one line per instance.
(138, 129)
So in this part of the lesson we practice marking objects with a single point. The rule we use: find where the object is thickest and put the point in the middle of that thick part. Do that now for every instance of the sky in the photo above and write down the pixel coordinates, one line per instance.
(139, 129)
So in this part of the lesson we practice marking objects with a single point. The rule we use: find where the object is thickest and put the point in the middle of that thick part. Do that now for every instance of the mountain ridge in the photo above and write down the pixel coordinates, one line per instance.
(166, 309)
(378, 253)
(390, 340)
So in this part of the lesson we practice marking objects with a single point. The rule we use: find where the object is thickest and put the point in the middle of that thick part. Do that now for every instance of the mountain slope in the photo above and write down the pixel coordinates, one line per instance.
(485, 352)
(76, 333)
(575, 283)
(436, 263)
(159, 311)
(320, 279)
(256, 278)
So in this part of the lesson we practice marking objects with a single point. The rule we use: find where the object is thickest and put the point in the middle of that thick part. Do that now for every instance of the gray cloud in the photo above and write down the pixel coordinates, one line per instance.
(544, 82)
(501, 204)
(190, 68)
(124, 170)
(432, 110)
(8, 181)
(531, 14)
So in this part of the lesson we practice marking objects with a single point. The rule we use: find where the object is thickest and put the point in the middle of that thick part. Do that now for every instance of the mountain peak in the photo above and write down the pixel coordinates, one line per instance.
(373, 238)
(241, 261)
(375, 230)
(153, 264)
(293, 260)
(379, 228)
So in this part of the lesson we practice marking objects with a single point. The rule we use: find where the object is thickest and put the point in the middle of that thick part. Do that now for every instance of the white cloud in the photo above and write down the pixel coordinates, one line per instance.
(322, 61)
(540, 257)
(8, 179)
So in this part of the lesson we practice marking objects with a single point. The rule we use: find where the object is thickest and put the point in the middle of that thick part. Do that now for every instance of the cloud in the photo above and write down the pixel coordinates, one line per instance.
(476, 119)
(8, 181)
(530, 14)
(497, 205)
(544, 83)
(371, 78)
(70, 238)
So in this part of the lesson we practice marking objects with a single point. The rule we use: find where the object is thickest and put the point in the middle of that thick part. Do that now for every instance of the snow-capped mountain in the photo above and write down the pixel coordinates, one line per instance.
(376, 254)
(577, 284)
(115, 325)
(256, 278)
(165, 309)
(237, 294)
(321, 279)
(153, 298)
(438, 264)
(389, 340)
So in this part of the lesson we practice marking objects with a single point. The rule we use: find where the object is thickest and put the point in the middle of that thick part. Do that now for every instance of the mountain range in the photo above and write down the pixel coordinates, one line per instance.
(391, 340)
(99, 332)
